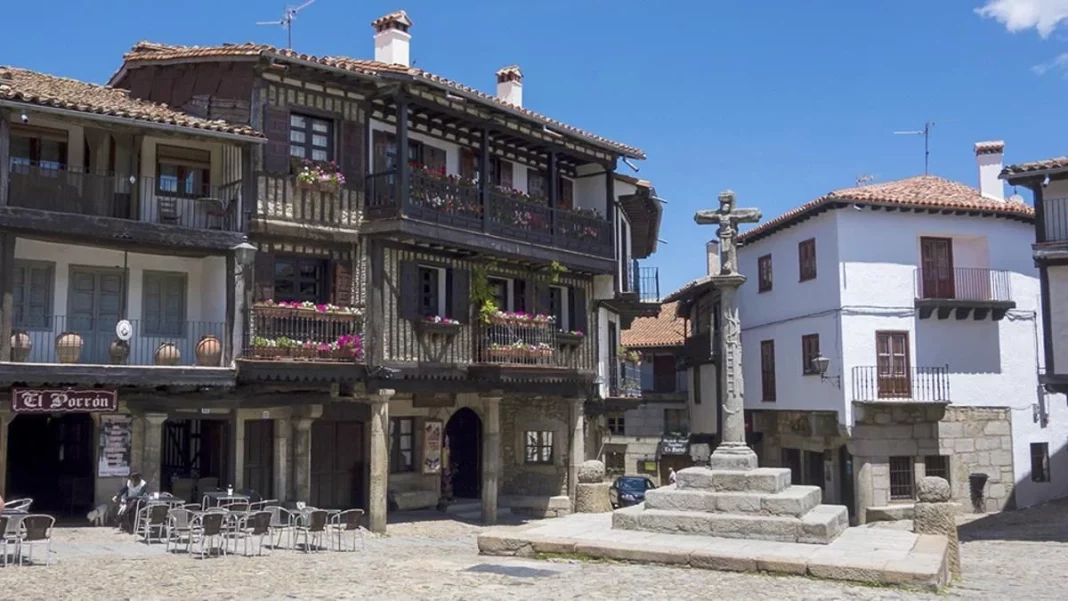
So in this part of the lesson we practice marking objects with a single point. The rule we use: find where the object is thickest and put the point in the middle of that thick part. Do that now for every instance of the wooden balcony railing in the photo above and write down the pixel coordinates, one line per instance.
(1055, 217)
(89, 340)
(922, 384)
(282, 198)
(452, 201)
(162, 201)
(963, 283)
(289, 332)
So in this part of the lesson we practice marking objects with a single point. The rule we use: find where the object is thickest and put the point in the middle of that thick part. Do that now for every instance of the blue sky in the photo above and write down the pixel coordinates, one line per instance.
(775, 100)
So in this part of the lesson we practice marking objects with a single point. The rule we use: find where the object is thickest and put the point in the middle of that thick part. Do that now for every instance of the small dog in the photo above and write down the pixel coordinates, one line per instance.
(101, 515)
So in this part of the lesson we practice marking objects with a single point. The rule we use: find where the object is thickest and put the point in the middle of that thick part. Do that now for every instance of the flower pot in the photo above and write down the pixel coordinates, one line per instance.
(329, 187)
(118, 351)
(21, 345)
(69, 347)
(209, 351)
(307, 185)
(167, 353)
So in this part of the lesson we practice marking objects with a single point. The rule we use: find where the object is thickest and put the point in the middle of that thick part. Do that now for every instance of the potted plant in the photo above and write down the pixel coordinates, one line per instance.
(350, 346)
(436, 325)
(330, 179)
(118, 352)
(209, 351)
(570, 337)
(266, 348)
(21, 345)
(69, 347)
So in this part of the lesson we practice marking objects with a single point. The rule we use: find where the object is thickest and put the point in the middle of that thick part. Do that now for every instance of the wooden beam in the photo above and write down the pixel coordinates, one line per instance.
(402, 150)
(5, 154)
(483, 175)
(7, 292)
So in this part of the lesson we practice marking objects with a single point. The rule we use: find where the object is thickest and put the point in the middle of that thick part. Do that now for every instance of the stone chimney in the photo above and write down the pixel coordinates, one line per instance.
(392, 40)
(510, 85)
(712, 250)
(988, 156)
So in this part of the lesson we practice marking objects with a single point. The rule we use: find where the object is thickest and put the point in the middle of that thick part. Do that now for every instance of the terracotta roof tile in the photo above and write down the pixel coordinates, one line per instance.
(398, 16)
(1035, 167)
(152, 51)
(664, 330)
(990, 147)
(21, 85)
(922, 192)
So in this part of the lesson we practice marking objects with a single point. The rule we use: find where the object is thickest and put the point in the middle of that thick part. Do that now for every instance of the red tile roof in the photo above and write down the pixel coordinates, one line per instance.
(1035, 167)
(151, 51)
(664, 330)
(20, 85)
(921, 192)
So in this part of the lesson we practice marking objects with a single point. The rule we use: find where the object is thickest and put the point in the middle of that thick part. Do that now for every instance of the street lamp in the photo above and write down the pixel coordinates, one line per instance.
(820, 364)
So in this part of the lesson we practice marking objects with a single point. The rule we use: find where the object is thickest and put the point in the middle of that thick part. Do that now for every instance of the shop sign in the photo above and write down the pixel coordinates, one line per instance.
(675, 446)
(31, 400)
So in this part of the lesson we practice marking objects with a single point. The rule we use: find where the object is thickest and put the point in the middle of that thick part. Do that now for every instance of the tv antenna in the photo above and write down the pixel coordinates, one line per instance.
(865, 179)
(287, 21)
(926, 133)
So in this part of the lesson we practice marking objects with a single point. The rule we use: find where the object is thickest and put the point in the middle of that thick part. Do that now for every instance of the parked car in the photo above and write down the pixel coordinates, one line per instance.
(630, 490)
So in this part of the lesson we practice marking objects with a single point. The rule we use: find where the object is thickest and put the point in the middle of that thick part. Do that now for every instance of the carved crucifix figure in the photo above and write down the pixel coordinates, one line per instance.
(732, 452)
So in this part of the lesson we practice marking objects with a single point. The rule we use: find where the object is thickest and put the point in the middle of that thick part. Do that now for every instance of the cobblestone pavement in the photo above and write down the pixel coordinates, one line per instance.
(1016, 556)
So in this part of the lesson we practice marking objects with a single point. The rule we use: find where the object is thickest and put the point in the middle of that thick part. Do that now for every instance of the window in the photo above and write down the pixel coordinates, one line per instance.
(311, 138)
(539, 447)
(401, 444)
(430, 291)
(664, 373)
(566, 197)
(901, 478)
(1040, 462)
(182, 172)
(617, 424)
(676, 421)
(615, 463)
(38, 147)
(562, 307)
(764, 273)
(430, 157)
(537, 184)
(937, 465)
(298, 279)
(936, 268)
(500, 172)
(501, 291)
(163, 300)
(810, 349)
(32, 295)
(892, 365)
(806, 258)
(767, 370)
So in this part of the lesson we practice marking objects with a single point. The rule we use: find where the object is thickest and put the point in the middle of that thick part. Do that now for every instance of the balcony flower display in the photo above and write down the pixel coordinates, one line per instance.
(570, 337)
(520, 350)
(351, 345)
(626, 354)
(346, 347)
(445, 192)
(324, 176)
(442, 320)
(325, 308)
(502, 318)
(437, 325)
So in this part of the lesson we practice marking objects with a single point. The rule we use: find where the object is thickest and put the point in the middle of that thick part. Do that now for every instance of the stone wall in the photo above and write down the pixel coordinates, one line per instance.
(979, 439)
(519, 416)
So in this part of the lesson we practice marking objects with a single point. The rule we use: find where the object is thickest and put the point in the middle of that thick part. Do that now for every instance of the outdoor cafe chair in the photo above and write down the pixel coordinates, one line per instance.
(4, 538)
(153, 517)
(179, 524)
(257, 525)
(282, 522)
(18, 505)
(36, 529)
(207, 527)
(262, 505)
(313, 526)
(347, 522)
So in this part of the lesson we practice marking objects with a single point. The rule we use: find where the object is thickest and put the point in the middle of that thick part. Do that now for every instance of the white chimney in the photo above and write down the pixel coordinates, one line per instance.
(988, 156)
(392, 40)
(510, 85)
(712, 250)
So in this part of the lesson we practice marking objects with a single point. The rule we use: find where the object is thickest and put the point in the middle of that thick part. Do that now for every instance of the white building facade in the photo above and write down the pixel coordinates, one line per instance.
(921, 301)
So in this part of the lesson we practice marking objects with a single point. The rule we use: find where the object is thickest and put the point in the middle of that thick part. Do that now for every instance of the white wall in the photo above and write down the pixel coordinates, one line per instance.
(604, 344)
(1058, 315)
(703, 416)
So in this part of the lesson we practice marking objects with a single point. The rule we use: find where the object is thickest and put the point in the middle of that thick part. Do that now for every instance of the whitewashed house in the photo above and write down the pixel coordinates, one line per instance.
(892, 331)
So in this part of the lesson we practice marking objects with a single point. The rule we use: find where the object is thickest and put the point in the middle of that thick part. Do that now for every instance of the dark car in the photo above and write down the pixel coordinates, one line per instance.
(630, 490)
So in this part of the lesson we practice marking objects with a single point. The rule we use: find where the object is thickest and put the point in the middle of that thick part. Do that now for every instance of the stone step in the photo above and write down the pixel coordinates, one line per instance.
(768, 480)
(820, 526)
(794, 501)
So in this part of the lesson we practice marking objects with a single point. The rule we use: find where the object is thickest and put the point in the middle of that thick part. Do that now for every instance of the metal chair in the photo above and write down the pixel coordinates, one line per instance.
(257, 524)
(207, 526)
(347, 521)
(313, 528)
(179, 522)
(153, 517)
(18, 504)
(4, 539)
(36, 529)
(262, 505)
(282, 521)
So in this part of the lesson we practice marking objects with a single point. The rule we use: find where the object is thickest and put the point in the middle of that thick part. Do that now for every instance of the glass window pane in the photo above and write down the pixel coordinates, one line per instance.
(320, 126)
(297, 121)
(406, 426)
(297, 136)
(297, 151)
(318, 155)
(319, 140)
(407, 458)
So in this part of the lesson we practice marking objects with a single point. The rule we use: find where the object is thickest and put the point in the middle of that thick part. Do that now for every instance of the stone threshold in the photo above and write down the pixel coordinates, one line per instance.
(876, 556)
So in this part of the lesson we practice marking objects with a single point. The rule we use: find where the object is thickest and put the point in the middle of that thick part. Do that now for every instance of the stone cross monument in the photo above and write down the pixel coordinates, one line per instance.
(732, 452)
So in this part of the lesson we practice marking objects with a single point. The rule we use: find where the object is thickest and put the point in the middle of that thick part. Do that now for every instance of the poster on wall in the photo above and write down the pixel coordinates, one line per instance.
(116, 434)
(432, 439)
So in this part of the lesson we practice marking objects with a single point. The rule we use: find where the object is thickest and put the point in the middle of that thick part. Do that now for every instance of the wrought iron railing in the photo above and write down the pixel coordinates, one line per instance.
(283, 198)
(624, 379)
(517, 342)
(642, 281)
(963, 283)
(148, 199)
(278, 332)
(923, 384)
(89, 340)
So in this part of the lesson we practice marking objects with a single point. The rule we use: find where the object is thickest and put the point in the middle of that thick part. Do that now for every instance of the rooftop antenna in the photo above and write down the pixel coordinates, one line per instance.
(926, 133)
(865, 179)
(287, 21)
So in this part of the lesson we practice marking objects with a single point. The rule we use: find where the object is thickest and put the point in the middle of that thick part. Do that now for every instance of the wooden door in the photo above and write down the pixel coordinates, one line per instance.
(936, 267)
(259, 456)
(337, 464)
(893, 370)
(95, 305)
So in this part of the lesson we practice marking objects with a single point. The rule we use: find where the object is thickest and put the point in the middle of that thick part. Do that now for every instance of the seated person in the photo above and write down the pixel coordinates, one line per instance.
(128, 496)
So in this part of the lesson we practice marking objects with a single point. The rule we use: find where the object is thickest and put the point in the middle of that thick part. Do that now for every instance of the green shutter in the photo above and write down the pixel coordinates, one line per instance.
(164, 304)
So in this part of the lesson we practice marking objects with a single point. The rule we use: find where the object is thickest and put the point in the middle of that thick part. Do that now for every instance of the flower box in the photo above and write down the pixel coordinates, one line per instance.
(269, 352)
(437, 328)
(303, 352)
(570, 338)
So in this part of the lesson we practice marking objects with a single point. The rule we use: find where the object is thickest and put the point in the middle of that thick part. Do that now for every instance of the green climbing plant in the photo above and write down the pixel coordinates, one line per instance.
(482, 298)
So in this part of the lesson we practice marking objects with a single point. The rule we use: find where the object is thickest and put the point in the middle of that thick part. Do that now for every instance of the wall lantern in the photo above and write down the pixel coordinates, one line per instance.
(820, 364)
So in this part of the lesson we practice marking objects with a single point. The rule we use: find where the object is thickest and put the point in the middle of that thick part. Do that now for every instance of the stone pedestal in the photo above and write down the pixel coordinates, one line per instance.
(934, 513)
(593, 498)
(302, 459)
(153, 450)
(491, 458)
(378, 502)
(576, 444)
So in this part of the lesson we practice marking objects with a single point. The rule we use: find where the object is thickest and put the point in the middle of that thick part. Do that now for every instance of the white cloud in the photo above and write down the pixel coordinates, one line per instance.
(1021, 15)
(1058, 64)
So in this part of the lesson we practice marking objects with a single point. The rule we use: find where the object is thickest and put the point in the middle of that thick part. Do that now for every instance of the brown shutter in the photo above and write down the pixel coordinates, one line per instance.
(409, 290)
(434, 159)
(263, 288)
(276, 128)
(580, 314)
(468, 163)
(458, 286)
(352, 162)
(536, 184)
(543, 302)
(566, 198)
(381, 142)
(506, 174)
(343, 283)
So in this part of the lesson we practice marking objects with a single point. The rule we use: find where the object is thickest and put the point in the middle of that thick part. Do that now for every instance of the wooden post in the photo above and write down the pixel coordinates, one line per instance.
(610, 202)
(5, 155)
(249, 201)
(403, 169)
(231, 309)
(135, 183)
(7, 292)
(553, 192)
(483, 177)
(1040, 211)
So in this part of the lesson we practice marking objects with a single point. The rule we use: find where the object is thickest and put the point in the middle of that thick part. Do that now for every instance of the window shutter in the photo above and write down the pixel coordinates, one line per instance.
(506, 174)
(459, 294)
(543, 302)
(380, 149)
(409, 290)
(566, 198)
(263, 288)
(468, 163)
(343, 283)
(19, 296)
(352, 151)
(520, 296)
(276, 151)
(580, 313)
(434, 158)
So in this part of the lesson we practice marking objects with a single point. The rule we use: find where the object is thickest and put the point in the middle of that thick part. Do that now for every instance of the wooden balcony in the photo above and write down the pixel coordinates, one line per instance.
(964, 292)
(303, 342)
(490, 216)
(872, 384)
(700, 349)
(285, 206)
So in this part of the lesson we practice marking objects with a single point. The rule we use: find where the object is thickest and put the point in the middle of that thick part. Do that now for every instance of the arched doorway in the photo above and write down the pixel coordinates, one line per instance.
(464, 433)
(50, 459)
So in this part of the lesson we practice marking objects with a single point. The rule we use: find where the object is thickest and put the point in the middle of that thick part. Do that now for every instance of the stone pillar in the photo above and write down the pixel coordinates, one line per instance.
(237, 422)
(576, 446)
(732, 452)
(302, 459)
(491, 458)
(934, 513)
(282, 434)
(242, 259)
(5, 421)
(863, 487)
(153, 453)
(378, 503)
